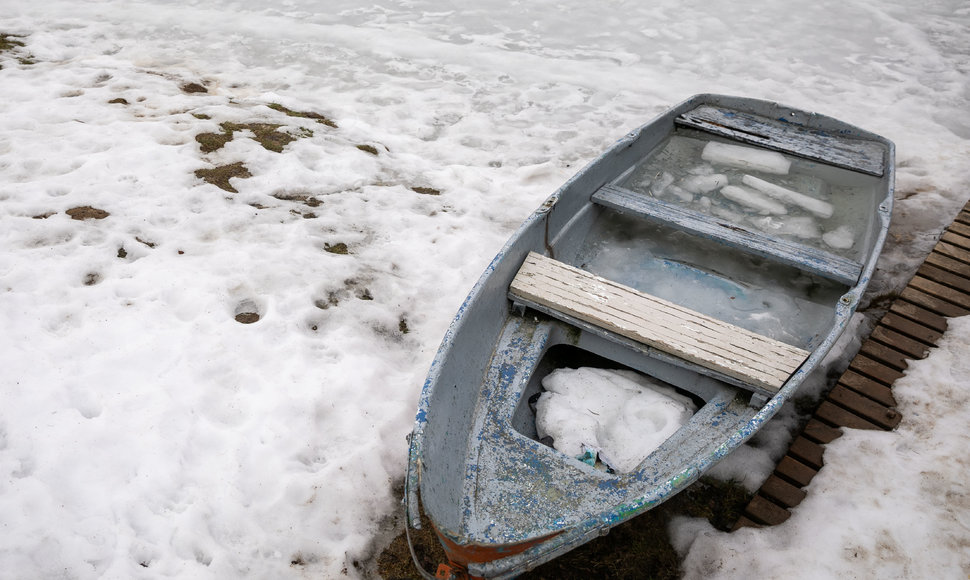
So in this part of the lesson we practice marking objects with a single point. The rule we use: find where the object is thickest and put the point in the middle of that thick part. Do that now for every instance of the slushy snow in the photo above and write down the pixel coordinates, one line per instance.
(145, 433)
(620, 415)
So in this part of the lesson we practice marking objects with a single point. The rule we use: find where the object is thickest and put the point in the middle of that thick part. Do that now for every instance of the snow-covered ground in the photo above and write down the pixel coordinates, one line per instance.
(145, 432)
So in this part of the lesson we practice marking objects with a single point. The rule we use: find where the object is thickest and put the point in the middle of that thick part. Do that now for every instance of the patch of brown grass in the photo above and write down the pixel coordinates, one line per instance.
(193, 88)
(266, 134)
(86, 212)
(395, 563)
(220, 176)
(9, 42)
(338, 248)
(210, 142)
(303, 114)
(305, 198)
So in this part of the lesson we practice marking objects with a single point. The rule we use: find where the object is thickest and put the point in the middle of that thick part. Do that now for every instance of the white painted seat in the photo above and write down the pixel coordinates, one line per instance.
(560, 289)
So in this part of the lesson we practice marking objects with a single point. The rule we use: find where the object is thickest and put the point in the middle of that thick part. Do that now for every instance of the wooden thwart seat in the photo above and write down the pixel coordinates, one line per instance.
(806, 258)
(860, 155)
(558, 288)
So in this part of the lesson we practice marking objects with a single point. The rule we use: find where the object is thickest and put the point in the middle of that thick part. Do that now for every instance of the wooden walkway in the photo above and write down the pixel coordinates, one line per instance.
(862, 398)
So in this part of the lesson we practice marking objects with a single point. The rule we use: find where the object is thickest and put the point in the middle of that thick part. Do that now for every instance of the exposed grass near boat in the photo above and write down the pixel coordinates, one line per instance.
(395, 563)
(641, 547)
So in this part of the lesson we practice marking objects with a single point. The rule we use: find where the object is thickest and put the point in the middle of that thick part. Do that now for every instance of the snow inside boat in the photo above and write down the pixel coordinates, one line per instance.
(713, 256)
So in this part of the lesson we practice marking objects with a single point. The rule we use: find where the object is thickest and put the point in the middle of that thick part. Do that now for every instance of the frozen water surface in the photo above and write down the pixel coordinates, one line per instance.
(806, 200)
(751, 292)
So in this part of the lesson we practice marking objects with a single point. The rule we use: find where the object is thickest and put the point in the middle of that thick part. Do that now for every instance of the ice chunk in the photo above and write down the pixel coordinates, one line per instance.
(799, 226)
(729, 215)
(841, 238)
(704, 183)
(702, 169)
(753, 200)
(746, 158)
(622, 415)
(661, 183)
(822, 209)
(680, 193)
(639, 183)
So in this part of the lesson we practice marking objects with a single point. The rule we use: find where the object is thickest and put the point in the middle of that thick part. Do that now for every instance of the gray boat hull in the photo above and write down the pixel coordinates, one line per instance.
(501, 500)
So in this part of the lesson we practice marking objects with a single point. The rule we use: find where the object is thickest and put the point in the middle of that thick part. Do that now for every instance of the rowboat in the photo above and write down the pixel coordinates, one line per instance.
(712, 256)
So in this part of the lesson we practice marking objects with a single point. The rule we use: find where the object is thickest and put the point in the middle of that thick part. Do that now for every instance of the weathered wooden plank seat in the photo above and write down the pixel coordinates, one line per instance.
(864, 156)
(804, 257)
(560, 289)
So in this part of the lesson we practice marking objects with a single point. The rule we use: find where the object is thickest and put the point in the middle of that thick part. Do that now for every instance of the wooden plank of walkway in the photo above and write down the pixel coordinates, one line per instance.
(782, 492)
(954, 252)
(837, 416)
(888, 356)
(862, 397)
(872, 368)
(865, 386)
(920, 315)
(914, 330)
(956, 239)
(949, 264)
(820, 432)
(888, 337)
(961, 229)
